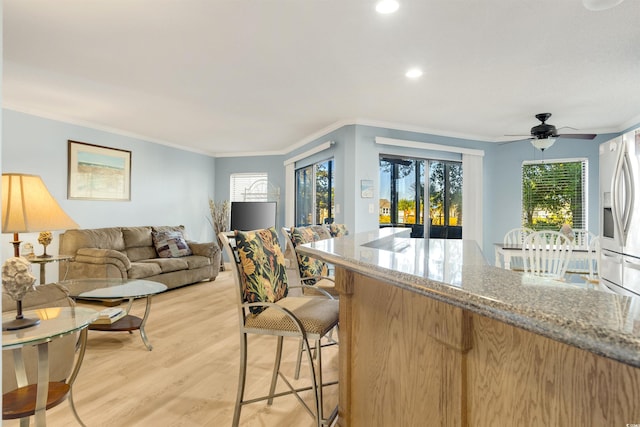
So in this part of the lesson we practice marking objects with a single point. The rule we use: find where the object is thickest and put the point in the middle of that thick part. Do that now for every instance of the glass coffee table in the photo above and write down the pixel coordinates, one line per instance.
(117, 289)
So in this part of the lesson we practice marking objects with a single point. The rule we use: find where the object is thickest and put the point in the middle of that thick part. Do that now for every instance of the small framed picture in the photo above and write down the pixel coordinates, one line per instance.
(366, 188)
(98, 173)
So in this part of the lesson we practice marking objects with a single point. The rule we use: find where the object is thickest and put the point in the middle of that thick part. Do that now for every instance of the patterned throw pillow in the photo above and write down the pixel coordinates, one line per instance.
(262, 266)
(170, 244)
(309, 267)
(338, 230)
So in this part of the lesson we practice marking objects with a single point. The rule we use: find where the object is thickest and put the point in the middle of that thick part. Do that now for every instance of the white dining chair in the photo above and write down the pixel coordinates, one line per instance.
(516, 237)
(581, 241)
(582, 238)
(547, 253)
(594, 260)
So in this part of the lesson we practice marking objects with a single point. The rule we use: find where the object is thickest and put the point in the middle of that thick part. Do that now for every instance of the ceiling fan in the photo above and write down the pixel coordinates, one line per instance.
(544, 135)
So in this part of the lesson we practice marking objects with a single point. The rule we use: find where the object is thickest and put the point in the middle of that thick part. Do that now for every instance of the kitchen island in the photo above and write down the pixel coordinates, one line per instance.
(431, 335)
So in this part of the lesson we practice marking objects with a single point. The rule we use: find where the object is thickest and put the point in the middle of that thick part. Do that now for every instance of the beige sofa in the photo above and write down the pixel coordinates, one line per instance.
(130, 253)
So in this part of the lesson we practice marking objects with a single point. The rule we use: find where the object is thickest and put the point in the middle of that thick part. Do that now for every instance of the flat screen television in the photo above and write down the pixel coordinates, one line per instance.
(247, 216)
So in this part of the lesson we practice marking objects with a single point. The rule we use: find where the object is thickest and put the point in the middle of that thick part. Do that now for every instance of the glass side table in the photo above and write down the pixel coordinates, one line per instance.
(33, 399)
(44, 261)
(118, 289)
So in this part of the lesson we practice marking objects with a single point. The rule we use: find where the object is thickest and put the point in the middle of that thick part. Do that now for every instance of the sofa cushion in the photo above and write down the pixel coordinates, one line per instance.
(170, 244)
(168, 265)
(139, 243)
(264, 277)
(141, 270)
(142, 253)
(135, 237)
(197, 261)
(101, 238)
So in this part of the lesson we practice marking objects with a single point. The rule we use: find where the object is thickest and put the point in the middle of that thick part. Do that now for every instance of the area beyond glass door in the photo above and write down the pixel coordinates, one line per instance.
(315, 194)
(402, 196)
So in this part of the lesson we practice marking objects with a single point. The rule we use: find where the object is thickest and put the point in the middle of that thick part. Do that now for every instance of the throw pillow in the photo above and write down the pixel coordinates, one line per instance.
(309, 267)
(338, 230)
(264, 275)
(170, 244)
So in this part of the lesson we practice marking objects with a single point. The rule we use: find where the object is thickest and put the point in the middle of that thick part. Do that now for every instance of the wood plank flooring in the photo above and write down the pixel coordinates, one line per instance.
(190, 377)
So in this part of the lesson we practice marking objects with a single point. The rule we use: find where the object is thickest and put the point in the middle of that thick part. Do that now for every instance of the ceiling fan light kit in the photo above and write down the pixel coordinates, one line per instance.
(598, 5)
(387, 6)
(542, 143)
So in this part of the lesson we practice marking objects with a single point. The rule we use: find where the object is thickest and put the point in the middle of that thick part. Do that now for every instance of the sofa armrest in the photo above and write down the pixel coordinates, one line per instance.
(208, 249)
(103, 256)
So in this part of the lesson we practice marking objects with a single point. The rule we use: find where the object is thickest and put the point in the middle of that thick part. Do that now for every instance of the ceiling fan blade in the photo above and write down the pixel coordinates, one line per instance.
(577, 135)
(515, 140)
(524, 136)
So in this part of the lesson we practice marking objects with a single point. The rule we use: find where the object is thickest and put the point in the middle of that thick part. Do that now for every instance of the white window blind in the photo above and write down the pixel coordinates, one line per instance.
(554, 193)
(249, 187)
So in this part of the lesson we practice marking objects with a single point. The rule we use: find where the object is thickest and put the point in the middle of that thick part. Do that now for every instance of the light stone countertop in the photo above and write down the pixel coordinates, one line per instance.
(456, 272)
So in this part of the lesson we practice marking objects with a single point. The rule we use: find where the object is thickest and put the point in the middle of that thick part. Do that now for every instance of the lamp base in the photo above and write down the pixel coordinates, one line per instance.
(17, 323)
(44, 256)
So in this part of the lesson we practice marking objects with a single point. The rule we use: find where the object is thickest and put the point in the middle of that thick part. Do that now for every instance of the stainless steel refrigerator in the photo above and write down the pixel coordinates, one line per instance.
(620, 213)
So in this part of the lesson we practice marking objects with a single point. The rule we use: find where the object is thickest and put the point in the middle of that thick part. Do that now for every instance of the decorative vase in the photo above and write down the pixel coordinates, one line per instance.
(44, 238)
(17, 281)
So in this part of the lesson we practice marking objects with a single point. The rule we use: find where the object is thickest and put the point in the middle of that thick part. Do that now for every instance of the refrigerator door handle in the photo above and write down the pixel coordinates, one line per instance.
(616, 197)
(629, 187)
(631, 264)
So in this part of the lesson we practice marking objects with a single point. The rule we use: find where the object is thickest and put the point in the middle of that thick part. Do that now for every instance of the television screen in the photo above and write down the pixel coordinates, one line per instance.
(247, 216)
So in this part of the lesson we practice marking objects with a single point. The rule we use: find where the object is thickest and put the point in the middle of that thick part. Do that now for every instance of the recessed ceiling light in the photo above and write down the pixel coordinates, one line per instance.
(414, 73)
(387, 6)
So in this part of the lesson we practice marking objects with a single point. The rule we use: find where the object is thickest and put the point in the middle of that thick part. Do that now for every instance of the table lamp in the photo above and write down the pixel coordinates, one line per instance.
(27, 207)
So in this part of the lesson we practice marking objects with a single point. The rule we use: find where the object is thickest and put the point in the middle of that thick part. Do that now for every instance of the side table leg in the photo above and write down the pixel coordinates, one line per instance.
(43, 385)
(74, 373)
(143, 334)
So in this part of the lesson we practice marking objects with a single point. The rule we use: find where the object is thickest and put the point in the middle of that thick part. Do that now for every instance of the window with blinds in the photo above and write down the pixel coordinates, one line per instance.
(249, 187)
(554, 193)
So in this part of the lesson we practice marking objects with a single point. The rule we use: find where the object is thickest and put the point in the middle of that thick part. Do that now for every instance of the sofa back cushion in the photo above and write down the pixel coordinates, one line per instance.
(100, 238)
(170, 244)
(139, 243)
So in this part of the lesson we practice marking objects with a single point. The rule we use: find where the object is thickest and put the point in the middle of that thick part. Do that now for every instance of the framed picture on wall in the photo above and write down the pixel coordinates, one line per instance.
(98, 173)
(366, 188)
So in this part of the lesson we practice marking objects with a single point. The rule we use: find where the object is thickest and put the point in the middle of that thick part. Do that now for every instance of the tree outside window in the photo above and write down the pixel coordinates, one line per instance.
(315, 193)
(553, 194)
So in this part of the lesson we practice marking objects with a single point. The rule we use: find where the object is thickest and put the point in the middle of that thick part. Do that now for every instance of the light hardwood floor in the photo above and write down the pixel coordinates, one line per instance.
(190, 377)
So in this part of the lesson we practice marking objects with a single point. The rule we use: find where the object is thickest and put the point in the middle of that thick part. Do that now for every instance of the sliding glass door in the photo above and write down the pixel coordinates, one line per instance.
(315, 194)
(402, 196)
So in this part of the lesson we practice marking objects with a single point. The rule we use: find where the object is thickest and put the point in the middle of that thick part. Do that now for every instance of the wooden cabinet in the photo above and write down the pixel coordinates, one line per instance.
(407, 359)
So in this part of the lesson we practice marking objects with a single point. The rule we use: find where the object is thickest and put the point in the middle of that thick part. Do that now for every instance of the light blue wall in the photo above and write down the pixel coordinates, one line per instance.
(273, 165)
(341, 151)
(505, 165)
(357, 155)
(168, 186)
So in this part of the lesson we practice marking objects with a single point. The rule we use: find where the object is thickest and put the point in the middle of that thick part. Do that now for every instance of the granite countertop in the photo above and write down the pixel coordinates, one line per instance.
(456, 272)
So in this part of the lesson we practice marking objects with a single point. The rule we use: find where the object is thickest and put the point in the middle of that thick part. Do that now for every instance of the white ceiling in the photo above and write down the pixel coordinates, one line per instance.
(234, 76)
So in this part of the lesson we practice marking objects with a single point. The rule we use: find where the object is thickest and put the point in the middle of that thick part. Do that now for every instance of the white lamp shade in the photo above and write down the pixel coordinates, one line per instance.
(542, 143)
(27, 206)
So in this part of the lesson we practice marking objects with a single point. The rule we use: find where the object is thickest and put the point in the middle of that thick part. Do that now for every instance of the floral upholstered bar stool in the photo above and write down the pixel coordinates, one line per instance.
(265, 308)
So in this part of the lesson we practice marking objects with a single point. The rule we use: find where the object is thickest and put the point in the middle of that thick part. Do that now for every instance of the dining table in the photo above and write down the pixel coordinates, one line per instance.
(504, 253)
